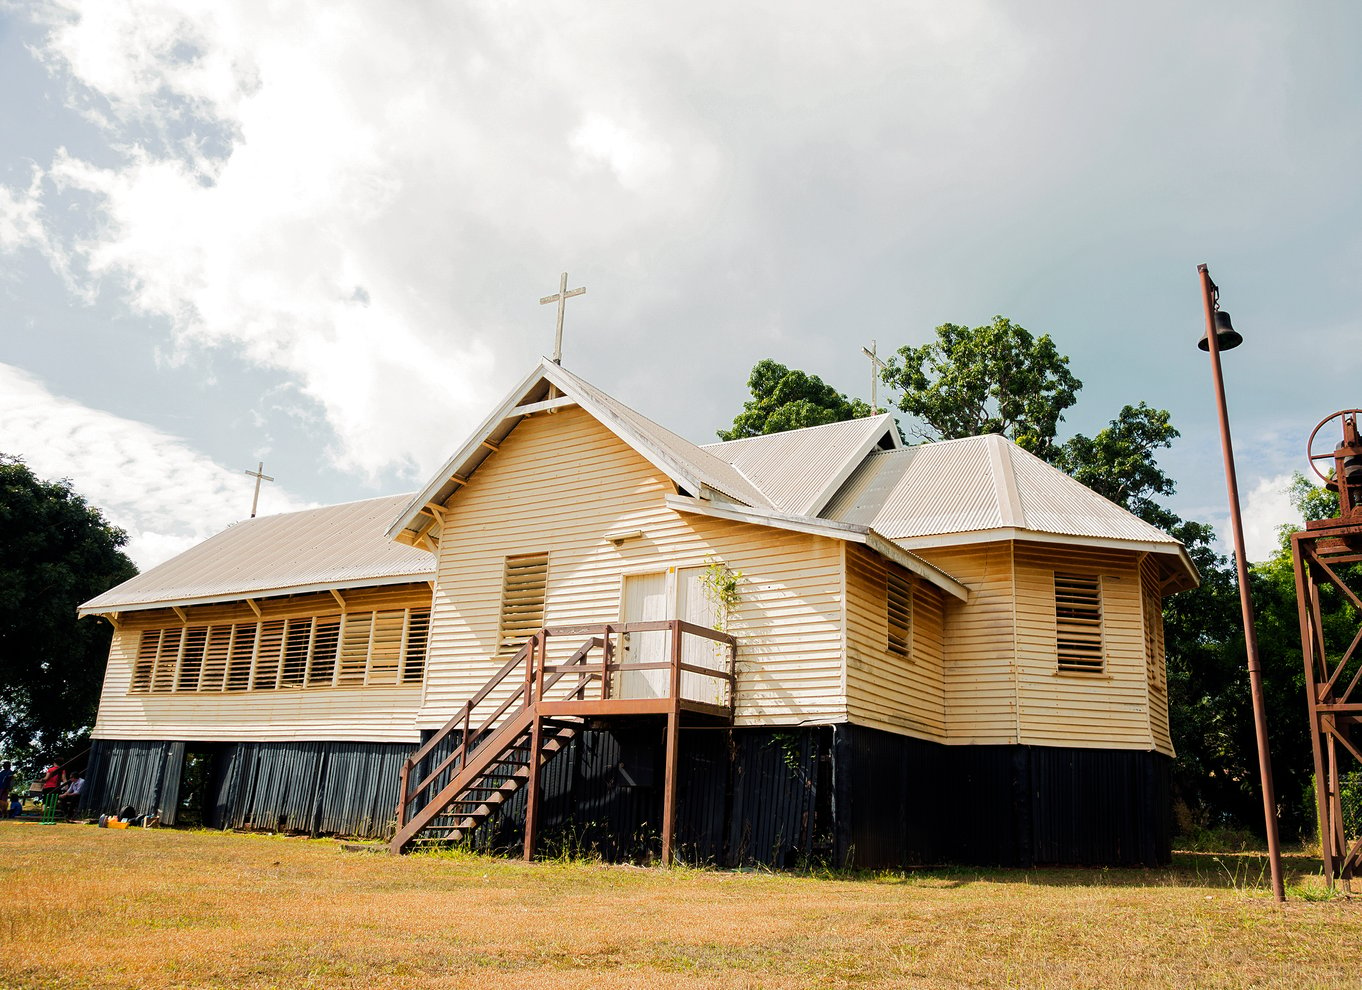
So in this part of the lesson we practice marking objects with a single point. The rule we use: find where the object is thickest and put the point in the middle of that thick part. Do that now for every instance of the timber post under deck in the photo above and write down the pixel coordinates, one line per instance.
(506, 735)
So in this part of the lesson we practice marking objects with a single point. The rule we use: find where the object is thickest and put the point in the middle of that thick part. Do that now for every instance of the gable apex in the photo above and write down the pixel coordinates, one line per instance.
(690, 467)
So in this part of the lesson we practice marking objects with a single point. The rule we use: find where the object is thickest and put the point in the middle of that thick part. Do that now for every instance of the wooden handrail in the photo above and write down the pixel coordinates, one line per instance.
(540, 677)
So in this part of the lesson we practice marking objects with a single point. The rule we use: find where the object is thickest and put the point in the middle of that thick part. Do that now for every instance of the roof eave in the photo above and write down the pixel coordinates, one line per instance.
(95, 607)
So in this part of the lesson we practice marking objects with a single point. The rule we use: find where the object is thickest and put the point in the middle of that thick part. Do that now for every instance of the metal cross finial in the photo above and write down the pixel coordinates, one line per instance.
(259, 475)
(876, 366)
(561, 297)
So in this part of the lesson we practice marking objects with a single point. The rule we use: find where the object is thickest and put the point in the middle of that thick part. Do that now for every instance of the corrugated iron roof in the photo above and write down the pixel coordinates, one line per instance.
(333, 547)
(977, 484)
(799, 470)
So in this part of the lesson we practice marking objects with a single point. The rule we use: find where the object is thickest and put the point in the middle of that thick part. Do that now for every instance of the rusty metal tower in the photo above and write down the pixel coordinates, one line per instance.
(1324, 553)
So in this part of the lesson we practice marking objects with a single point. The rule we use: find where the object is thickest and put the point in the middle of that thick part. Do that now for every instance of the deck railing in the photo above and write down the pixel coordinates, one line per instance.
(656, 667)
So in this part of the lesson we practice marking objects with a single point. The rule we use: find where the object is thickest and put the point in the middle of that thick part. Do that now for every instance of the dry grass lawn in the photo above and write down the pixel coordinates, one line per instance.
(92, 908)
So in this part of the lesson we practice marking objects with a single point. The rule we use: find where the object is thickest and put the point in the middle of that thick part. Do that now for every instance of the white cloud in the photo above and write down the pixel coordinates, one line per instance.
(1266, 509)
(329, 188)
(166, 495)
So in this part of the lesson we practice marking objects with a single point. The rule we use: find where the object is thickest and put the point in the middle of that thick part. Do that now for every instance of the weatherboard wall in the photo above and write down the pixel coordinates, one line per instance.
(374, 713)
(885, 690)
(562, 483)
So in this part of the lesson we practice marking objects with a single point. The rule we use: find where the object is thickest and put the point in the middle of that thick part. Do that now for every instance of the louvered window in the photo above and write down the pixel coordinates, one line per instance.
(1153, 643)
(385, 654)
(269, 655)
(899, 600)
(215, 658)
(1078, 622)
(418, 634)
(325, 644)
(167, 660)
(242, 655)
(297, 645)
(378, 648)
(147, 649)
(354, 651)
(522, 599)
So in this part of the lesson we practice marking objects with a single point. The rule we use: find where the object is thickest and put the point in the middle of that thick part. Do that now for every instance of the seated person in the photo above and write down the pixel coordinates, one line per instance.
(70, 795)
(16, 805)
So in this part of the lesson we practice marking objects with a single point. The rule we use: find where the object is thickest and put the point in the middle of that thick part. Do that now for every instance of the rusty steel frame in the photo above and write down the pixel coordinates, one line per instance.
(1334, 702)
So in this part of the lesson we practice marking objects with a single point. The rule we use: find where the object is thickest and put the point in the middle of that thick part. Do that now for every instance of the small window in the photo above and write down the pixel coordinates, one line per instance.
(522, 599)
(1078, 622)
(899, 609)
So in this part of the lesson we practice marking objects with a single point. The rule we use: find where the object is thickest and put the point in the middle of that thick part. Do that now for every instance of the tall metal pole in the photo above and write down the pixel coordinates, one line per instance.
(1255, 669)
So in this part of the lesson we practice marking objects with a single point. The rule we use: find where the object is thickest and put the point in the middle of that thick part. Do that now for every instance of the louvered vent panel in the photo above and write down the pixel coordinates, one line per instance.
(1078, 622)
(354, 651)
(297, 643)
(215, 659)
(195, 639)
(147, 648)
(325, 645)
(418, 634)
(167, 659)
(239, 661)
(269, 656)
(900, 614)
(522, 599)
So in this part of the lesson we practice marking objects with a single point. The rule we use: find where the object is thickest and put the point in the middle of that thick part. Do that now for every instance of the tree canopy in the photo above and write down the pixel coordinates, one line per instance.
(56, 551)
(788, 399)
(990, 379)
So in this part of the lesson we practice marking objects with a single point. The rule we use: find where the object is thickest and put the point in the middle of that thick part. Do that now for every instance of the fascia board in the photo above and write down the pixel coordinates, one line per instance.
(422, 577)
(451, 467)
(1171, 549)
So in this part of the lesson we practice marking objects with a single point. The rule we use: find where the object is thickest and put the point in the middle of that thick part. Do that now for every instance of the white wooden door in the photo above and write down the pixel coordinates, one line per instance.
(693, 604)
(644, 599)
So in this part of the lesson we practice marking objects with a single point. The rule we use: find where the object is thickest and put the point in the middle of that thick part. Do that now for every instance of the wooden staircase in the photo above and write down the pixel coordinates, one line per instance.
(535, 715)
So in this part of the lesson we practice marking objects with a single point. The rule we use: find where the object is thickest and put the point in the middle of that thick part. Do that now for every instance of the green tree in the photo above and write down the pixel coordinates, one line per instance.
(56, 551)
(990, 379)
(1120, 463)
(788, 399)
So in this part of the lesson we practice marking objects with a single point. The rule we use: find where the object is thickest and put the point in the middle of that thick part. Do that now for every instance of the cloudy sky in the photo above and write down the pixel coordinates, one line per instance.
(316, 233)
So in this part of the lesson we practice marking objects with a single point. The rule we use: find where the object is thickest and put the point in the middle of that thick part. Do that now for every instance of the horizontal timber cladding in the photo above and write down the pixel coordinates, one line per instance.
(979, 669)
(884, 688)
(903, 802)
(559, 485)
(744, 796)
(304, 695)
(141, 774)
(1107, 706)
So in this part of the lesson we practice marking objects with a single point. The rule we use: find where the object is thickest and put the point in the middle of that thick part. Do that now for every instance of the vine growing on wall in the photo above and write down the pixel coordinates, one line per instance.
(721, 587)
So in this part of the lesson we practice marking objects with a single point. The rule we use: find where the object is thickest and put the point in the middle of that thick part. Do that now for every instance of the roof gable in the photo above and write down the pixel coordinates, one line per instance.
(800, 470)
(692, 468)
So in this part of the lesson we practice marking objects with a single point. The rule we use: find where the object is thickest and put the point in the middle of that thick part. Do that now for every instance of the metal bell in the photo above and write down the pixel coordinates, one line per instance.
(1226, 336)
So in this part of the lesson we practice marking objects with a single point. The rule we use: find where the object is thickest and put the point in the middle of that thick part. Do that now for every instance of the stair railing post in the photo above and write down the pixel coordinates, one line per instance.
(673, 746)
(607, 654)
(402, 797)
(463, 740)
(532, 789)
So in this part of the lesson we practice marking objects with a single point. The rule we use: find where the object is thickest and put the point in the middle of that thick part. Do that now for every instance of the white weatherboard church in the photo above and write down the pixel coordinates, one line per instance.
(818, 644)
